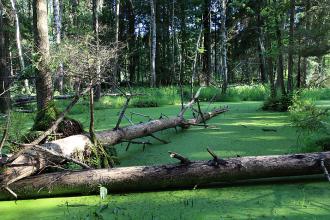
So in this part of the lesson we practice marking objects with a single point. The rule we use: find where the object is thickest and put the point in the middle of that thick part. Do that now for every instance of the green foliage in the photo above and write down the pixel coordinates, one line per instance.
(312, 124)
(306, 117)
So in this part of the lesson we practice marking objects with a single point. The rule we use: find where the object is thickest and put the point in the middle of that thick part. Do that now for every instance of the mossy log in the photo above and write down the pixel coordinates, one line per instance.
(31, 162)
(182, 175)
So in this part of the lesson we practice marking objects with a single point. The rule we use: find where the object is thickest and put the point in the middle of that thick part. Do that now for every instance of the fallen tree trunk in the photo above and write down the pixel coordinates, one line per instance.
(186, 174)
(31, 162)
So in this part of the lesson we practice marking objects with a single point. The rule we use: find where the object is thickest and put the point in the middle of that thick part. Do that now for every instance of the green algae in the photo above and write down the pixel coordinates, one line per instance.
(238, 132)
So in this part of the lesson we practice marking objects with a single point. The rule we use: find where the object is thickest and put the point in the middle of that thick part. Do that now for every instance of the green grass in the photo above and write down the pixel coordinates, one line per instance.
(237, 132)
(155, 97)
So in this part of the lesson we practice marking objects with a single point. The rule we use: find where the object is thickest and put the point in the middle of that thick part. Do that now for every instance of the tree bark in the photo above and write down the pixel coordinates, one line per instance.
(291, 45)
(117, 74)
(19, 45)
(43, 75)
(261, 48)
(4, 63)
(223, 31)
(97, 5)
(186, 174)
(131, 42)
(280, 65)
(58, 29)
(207, 43)
(153, 45)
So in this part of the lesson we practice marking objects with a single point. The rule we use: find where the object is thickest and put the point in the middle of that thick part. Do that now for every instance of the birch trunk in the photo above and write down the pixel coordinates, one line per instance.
(58, 29)
(153, 45)
(19, 45)
(223, 31)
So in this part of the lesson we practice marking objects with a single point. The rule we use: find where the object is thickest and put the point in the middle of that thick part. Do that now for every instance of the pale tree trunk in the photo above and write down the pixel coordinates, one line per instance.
(153, 44)
(181, 175)
(261, 48)
(223, 34)
(194, 67)
(131, 42)
(19, 45)
(291, 45)
(117, 74)
(58, 29)
(173, 42)
(207, 43)
(97, 5)
(43, 75)
(4, 63)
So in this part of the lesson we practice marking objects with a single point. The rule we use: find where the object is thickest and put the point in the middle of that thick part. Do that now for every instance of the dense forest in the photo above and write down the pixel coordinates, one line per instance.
(80, 78)
(214, 43)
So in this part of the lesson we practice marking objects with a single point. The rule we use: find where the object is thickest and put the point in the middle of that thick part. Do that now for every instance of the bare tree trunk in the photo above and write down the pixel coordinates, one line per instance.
(261, 48)
(97, 6)
(185, 174)
(207, 43)
(153, 44)
(303, 72)
(270, 70)
(131, 42)
(299, 72)
(223, 31)
(291, 45)
(117, 74)
(19, 45)
(4, 63)
(58, 29)
(280, 65)
(43, 75)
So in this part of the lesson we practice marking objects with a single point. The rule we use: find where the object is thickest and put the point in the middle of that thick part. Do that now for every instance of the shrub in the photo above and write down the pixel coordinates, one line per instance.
(312, 124)
(145, 102)
(278, 104)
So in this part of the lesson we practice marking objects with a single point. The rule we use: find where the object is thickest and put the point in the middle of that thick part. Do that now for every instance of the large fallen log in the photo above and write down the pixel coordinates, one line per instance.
(185, 174)
(31, 161)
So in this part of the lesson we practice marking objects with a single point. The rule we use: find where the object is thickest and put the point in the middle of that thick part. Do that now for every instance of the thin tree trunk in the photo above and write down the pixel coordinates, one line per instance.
(19, 45)
(291, 42)
(182, 175)
(207, 43)
(58, 29)
(223, 31)
(194, 67)
(262, 50)
(299, 72)
(173, 60)
(153, 44)
(280, 65)
(303, 72)
(117, 74)
(131, 42)
(270, 70)
(4, 63)
(97, 5)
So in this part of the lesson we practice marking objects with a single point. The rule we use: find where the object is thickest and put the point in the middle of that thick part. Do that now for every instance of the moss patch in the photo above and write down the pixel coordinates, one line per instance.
(45, 118)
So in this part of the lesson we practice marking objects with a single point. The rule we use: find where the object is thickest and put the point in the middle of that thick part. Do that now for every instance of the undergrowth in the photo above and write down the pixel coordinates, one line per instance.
(312, 123)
